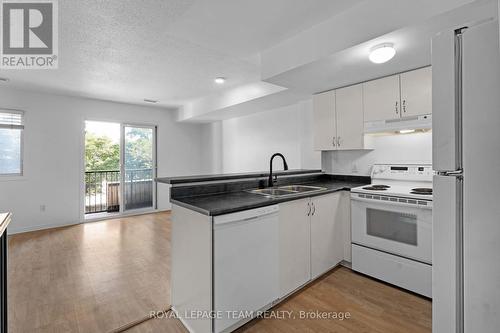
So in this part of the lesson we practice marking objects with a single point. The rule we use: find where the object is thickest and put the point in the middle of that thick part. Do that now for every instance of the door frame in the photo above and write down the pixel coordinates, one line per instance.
(122, 168)
(82, 215)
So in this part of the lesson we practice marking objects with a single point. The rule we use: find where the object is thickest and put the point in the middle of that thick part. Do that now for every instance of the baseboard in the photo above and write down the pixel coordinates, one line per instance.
(117, 216)
(12, 230)
(346, 264)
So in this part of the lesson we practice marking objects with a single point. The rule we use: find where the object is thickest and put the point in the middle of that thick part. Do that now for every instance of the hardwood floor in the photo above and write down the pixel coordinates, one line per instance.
(96, 277)
(373, 306)
(90, 277)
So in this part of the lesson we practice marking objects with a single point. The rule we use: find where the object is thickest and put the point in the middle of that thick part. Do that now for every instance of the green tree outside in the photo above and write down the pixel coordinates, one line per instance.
(101, 153)
(138, 148)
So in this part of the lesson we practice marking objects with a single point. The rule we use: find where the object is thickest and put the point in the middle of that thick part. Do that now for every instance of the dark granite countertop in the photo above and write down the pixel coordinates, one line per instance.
(230, 202)
(231, 176)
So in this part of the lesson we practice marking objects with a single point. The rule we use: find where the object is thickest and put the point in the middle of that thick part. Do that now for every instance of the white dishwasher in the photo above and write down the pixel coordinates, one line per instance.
(246, 264)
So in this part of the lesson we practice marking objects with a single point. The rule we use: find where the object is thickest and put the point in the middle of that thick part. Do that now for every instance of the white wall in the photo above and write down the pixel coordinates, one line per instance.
(248, 142)
(53, 154)
(310, 159)
(402, 148)
(212, 148)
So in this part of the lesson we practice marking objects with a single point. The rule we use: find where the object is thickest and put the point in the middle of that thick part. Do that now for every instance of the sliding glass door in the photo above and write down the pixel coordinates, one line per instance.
(120, 168)
(102, 168)
(138, 167)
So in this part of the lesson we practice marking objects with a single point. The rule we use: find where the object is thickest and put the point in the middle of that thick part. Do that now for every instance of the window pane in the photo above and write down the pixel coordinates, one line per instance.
(10, 151)
(399, 227)
(138, 167)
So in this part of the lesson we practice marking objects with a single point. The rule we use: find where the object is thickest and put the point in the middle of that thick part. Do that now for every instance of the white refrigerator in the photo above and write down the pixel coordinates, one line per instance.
(466, 159)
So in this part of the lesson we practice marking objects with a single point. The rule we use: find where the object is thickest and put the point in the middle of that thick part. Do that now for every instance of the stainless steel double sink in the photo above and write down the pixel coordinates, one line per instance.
(286, 190)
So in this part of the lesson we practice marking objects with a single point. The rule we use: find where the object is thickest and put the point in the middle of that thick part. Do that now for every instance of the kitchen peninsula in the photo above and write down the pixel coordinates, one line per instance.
(5, 219)
(240, 245)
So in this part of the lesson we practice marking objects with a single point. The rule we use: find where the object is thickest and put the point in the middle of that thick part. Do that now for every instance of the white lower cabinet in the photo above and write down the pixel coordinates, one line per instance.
(311, 238)
(345, 206)
(295, 245)
(327, 234)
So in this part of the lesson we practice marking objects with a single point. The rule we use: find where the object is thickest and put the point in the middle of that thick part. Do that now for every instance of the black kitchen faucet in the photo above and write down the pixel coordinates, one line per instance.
(285, 167)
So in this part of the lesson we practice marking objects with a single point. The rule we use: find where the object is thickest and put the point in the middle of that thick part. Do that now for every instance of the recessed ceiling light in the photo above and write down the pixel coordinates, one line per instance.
(220, 80)
(4, 79)
(382, 53)
(147, 100)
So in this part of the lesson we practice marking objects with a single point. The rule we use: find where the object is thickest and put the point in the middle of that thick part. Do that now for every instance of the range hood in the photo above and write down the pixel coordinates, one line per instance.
(423, 122)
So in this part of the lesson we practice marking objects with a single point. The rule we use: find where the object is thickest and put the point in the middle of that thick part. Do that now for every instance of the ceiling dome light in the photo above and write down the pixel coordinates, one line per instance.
(382, 53)
(220, 80)
(406, 131)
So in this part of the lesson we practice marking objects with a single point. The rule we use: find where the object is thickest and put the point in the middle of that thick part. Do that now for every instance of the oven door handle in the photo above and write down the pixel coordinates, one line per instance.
(395, 203)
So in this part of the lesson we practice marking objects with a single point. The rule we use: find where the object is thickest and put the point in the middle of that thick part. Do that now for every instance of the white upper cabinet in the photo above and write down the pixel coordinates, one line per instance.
(349, 111)
(382, 99)
(398, 96)
(416, 92)
(338, 119)
(324, 121)
(339, 115)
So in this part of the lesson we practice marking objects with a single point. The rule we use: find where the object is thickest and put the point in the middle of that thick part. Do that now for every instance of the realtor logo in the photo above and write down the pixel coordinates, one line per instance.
(29, 34)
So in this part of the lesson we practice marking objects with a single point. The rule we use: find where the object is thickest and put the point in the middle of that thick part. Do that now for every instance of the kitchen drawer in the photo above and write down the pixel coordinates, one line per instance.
(402, 272)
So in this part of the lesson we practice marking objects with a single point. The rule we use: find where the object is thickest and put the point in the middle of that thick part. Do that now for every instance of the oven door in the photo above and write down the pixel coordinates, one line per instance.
(398, 228)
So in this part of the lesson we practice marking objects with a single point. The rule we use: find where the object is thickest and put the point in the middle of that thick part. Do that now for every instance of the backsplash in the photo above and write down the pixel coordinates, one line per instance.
(402, 148)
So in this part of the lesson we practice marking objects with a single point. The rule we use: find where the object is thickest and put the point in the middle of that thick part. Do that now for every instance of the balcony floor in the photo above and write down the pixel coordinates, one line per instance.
(101, 216)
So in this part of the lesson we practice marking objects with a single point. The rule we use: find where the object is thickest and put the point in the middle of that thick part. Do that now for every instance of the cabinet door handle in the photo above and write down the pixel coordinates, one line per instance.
(309, 210)
(338, 141)
(397, 111)
(333, 142)
(404, 105)
(314, 208)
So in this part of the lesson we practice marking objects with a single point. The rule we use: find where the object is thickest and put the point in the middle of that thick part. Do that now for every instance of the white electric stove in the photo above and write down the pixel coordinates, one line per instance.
(402, 181)
(392, 226)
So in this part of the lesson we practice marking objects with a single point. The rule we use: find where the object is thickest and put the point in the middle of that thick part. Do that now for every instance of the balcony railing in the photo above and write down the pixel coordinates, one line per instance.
(138, 188)
(103, 192)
